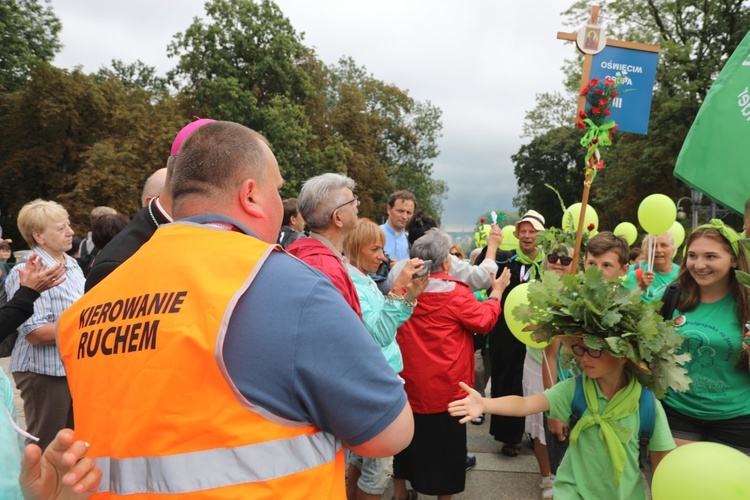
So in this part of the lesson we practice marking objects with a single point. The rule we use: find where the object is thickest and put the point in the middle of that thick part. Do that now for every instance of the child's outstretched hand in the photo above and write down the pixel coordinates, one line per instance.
(470, 407)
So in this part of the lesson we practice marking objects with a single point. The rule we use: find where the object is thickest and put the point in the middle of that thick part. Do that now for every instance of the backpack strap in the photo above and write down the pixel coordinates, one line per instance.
(647, 413)
(579, 404)
(669, 300)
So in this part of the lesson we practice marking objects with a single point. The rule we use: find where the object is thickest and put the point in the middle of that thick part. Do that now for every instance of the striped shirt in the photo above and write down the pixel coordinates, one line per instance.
(44, 359)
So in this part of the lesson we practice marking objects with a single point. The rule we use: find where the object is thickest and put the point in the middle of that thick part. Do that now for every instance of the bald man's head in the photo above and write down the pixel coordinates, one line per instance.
(154, 186)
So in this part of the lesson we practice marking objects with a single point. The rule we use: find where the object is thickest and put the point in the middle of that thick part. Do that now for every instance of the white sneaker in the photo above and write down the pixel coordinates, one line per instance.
(547, 491)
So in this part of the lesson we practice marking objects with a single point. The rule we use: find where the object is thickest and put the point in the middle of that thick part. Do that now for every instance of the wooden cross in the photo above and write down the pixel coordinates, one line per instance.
(589, 58)
(585, 76)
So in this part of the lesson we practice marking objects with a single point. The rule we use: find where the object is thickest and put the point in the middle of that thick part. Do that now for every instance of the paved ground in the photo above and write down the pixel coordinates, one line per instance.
(495, 476)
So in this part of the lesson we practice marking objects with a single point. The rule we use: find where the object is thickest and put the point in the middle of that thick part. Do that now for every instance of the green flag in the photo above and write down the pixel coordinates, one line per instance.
(715, 157)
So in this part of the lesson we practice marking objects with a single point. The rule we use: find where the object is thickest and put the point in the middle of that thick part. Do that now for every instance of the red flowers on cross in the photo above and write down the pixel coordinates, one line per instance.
(599, 96)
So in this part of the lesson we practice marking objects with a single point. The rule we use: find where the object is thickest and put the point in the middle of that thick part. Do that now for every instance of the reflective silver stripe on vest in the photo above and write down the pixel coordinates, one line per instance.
(202, 470)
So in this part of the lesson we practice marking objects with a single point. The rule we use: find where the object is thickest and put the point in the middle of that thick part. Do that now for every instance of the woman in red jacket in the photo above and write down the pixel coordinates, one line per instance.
(438, 351)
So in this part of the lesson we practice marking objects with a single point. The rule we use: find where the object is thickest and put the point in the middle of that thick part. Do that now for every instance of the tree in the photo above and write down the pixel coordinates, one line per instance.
(553, 110)
(134, 76)
(29, 34)
(67, 138)
(401, 134)
(246, 63)
(555, 158)
(696, 38)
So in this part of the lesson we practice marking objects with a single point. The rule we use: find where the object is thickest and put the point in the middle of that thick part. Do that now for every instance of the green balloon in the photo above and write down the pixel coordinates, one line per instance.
(678, 233)
(573, 214)
(510, 242)
(702, 470)
(515, 298)
(656, 213)
(628, 231)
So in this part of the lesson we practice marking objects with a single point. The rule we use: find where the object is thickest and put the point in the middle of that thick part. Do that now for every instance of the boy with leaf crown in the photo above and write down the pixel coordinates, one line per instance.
(610, 255)
(621, 345)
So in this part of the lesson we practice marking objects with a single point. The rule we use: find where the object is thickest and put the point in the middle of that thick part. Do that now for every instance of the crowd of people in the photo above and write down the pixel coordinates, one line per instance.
(313, 331)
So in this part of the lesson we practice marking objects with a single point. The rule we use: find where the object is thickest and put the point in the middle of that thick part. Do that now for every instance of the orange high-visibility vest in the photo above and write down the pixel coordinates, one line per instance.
(143, 355)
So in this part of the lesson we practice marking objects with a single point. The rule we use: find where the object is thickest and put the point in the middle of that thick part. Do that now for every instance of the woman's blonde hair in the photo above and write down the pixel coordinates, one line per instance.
(365, 232)
(36, 215)
(457, 249)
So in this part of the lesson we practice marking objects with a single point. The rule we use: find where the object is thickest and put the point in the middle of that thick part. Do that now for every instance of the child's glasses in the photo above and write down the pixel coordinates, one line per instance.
(580, 350)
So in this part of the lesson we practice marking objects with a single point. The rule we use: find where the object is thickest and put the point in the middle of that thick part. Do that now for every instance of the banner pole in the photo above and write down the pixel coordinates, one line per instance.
(581, 219)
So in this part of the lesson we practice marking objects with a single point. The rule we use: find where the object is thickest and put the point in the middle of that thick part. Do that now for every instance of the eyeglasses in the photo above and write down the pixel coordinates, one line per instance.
(354, 200)
(565, 260)
(580, 350)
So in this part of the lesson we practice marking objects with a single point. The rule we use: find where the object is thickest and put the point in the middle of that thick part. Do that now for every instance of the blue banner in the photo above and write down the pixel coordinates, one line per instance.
(632, 106)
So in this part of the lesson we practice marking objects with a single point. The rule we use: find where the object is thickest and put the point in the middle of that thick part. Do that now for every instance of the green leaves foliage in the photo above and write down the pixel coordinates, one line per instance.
(608, 316)
(88, 140)
(246, 63)
(555, 158)
(28, 35)
(696, 38)
(67, 138)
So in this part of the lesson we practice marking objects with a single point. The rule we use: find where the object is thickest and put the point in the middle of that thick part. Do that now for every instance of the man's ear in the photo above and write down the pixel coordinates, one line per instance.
(624, 269)
(336, 219)
(247, 193)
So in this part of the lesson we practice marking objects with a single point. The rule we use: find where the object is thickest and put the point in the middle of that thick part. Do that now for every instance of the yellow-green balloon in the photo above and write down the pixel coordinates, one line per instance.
(628, 231)
(656, 213)
(573, 214)
(678, 233)
(510, 241)
(481, 234)
(515, 298)
(703, 470)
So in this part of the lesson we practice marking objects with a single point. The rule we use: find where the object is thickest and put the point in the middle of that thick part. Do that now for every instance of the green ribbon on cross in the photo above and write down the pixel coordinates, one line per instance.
(600, 132)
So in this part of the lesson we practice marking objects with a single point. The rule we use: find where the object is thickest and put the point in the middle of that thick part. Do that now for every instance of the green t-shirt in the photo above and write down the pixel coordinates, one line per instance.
(536, 354)
(657, 288)
(586, 470)
(719, 389)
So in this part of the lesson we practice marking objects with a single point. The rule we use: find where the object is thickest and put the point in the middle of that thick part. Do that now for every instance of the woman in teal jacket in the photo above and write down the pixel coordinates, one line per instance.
(381, 315)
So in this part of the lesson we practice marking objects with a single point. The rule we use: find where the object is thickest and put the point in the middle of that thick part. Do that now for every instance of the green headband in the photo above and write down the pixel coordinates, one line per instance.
(727, 232)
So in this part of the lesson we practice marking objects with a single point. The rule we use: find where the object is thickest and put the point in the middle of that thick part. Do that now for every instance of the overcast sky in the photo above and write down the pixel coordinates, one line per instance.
(481, 62)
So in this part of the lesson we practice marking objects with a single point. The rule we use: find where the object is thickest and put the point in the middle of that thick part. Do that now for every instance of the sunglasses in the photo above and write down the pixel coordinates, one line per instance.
(354, 200)
(565, 260)
(580, 350)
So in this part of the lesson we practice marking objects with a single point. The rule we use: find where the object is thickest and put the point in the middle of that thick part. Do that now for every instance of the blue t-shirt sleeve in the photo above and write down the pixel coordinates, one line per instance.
(296, 349)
